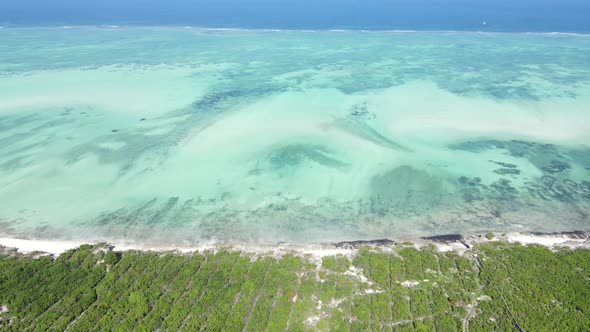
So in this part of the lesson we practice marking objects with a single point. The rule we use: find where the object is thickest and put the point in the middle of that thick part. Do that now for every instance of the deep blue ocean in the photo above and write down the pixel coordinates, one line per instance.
(498, 15)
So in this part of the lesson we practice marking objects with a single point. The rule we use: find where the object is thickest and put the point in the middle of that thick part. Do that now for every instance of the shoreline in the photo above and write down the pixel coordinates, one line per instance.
(455, 243)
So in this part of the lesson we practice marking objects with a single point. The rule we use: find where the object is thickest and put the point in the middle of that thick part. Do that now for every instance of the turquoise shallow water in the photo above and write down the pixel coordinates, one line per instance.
(168, 134)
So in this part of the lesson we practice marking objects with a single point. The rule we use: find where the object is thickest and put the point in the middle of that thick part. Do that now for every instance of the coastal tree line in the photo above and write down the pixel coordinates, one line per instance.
(388, 288)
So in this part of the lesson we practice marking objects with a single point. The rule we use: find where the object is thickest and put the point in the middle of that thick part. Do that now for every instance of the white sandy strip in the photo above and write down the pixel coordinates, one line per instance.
(454, 246)
(48, 246)
(547, 241)
(319, 253)
(181, 249)
(57, 247)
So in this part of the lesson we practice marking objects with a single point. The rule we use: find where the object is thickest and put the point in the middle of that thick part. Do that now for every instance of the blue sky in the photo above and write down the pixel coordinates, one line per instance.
(518, 15)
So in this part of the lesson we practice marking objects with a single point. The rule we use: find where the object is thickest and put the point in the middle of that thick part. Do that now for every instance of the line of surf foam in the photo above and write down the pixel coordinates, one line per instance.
(281, 30)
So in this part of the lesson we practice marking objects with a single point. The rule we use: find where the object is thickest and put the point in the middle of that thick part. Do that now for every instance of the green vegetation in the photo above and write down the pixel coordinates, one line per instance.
(397, 288)
(490, 236)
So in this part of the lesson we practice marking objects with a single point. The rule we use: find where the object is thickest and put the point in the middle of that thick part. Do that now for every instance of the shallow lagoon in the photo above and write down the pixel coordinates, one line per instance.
(166, 134)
